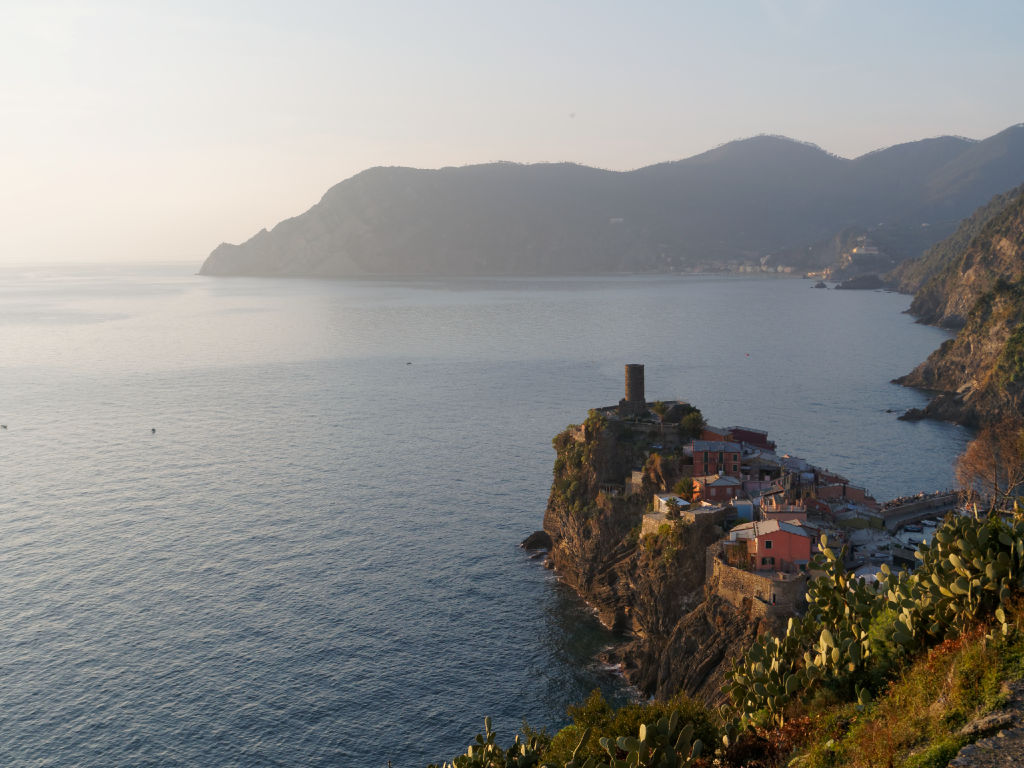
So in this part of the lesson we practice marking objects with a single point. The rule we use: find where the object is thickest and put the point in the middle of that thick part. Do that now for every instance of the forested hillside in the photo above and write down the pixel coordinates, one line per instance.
(925, 276)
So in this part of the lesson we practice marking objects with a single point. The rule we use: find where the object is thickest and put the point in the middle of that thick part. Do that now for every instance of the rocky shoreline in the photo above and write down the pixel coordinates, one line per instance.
(691, 652)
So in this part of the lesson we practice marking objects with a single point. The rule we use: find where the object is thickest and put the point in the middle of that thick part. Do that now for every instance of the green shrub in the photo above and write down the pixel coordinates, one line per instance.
(936, 755)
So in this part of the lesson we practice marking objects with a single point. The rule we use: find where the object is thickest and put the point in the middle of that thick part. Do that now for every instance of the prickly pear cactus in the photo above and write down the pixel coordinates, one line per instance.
(969, 570)
(665, 744)
(484, 752)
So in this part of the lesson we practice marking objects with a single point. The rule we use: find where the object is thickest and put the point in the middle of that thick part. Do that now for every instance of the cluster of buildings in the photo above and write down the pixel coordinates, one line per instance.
(772, 508)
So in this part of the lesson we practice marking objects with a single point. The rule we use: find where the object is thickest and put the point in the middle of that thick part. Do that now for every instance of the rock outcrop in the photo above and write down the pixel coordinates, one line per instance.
(868, 282)
(537, 540)
(993, 254)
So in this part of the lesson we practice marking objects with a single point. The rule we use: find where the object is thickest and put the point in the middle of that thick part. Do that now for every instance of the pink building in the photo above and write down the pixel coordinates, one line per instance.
(774, 545)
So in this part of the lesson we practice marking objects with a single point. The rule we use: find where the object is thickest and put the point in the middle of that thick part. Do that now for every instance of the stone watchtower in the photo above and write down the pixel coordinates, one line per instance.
(635, 401)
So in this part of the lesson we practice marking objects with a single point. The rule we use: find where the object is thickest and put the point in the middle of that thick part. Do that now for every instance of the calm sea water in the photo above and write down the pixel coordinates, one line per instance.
(313, 561)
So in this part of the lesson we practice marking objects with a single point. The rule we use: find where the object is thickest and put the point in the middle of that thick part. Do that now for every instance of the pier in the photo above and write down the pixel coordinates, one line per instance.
(920, 507)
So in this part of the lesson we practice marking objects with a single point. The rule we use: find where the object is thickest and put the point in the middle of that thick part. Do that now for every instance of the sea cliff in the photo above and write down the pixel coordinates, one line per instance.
(680, 632)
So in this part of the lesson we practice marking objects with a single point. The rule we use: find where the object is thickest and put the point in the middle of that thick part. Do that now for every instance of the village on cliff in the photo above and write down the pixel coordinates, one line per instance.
(773, 509)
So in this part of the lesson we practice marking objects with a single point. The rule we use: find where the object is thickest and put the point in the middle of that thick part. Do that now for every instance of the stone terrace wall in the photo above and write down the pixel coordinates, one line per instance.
(652, 522)
(717, 517)
(736, 585)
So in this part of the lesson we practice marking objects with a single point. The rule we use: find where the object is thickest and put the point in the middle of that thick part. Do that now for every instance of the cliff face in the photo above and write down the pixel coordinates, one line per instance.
(592, 534)
(705, 645)
(681, 634)
(977, 375)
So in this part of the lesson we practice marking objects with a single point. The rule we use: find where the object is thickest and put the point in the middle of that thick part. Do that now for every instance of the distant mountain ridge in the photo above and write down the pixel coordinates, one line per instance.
(728, 206)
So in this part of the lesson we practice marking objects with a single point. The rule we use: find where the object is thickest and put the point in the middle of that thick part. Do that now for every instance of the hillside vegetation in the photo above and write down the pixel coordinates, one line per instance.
(731, 205)
(937, 266)
(894, 675)
(984, 250)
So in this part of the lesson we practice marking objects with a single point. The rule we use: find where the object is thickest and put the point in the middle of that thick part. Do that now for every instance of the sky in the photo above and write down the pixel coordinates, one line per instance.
(143, 131)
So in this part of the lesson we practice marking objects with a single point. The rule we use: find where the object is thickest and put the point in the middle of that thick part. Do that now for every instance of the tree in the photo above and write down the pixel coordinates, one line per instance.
(991, 469)
(691, 425)
(684, 488)
(660, 409)
(673, 510)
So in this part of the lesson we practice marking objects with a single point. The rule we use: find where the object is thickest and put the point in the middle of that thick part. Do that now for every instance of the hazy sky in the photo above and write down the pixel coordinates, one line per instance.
(156, 130)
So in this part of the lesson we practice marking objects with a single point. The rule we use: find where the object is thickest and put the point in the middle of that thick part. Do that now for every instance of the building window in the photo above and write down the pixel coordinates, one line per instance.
(768, 544)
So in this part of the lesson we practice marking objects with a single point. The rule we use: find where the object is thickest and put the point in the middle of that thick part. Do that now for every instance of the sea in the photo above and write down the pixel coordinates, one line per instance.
(262, 522)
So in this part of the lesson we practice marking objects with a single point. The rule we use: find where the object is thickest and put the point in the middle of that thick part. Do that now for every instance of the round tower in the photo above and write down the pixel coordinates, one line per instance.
(635, 384)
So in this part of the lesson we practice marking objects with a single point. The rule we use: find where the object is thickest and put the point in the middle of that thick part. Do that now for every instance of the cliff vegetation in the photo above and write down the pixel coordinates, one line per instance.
(985, 250)
(930, 276)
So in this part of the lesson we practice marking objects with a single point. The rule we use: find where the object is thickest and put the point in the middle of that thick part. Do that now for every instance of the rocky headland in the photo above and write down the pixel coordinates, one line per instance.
(976, 286)
(661, 550)
(681, 634)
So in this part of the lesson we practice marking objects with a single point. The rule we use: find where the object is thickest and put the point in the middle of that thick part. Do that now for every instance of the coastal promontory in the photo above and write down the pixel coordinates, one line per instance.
(691, 540)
